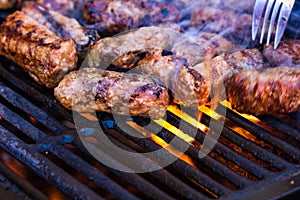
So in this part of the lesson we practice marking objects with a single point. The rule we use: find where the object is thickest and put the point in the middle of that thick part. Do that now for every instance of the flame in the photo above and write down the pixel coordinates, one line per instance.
(175, 131)
(164, 144)
(247, 116)
(89, 116)
(176, 111)
(210, 112)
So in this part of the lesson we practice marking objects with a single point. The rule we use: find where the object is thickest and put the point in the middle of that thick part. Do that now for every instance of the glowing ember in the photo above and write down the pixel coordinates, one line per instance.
(175, 131)
(210, 112)
(176, 111)
(247, 116)
(164, 144)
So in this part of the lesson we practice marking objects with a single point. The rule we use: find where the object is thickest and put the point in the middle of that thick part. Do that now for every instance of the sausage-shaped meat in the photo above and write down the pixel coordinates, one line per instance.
(93, 89)
(232, 25)
(70, 8)
(106, 50)
(7, 4)
(194, 84)
(194, 48)
(40, 52)
(271, 91)
(286, 54)
(62, 26)
(114, 16)
(236, 5)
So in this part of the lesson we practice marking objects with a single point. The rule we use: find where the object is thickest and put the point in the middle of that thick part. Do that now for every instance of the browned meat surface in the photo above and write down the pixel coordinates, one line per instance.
(271, 91)
(43, 54)
(114, 16)
(62, 26)
(7, 4)
(92, 89)
(70, 8)
(236, 5)
(161, 68)
(232, 25)
(286, 54)
(194, 47)
(106, 50)
(194, 84)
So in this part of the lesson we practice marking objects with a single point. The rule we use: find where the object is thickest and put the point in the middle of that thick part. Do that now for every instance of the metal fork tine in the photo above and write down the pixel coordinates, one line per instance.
(266, 17)
(258, 12)
(282, 22)
(273, 18)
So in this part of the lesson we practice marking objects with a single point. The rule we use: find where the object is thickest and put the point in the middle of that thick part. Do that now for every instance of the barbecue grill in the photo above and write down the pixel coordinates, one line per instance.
(43, 157)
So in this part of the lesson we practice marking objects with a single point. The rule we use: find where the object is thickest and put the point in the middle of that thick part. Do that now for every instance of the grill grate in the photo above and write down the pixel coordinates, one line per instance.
(250, 159)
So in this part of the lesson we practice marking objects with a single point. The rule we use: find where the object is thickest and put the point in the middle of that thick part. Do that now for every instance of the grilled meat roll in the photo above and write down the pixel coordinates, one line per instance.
(63, 26)
(233, 26)
(70, 8)
(40, 52)
(194, 84)
(106, 50)
(111, 17)
(194, 47)
(236, 5)
(93, 89)
(271, 91)
(162, 68)
(286, 54)
(7, 4)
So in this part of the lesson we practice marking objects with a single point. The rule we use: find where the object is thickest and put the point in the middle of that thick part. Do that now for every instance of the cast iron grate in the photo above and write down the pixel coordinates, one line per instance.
(40, 148)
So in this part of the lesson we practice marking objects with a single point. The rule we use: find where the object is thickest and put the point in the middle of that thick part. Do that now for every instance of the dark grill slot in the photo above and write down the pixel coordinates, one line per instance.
(31, 93)
(241, 163)
(78, 176)
(16, 131)
(20, 124)
(38, 188)
(182, 166)
(43, 167)
(283, 131)
(249, 146)
(230, 155)
(265, 135)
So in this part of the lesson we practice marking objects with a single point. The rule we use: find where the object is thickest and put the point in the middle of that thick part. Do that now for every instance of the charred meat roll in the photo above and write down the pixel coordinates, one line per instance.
(271, 91)
(62, 26)
(93, 89)
(194, 47)
(195, 84)
(233, 26)
(286, 54)
(36, 49)
(7, 4)
(236, 5)
(70, 8)
(106, 50)
(111, 17)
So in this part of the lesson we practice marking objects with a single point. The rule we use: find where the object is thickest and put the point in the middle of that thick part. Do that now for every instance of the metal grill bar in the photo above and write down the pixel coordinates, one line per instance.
(227, 152)
(90, 171)
(23, 114)
(212, 164)
(263, 134)
(30, 190)
(178, 187)
(44, 167)
(283, 128)
(180, 165)
(249, 146)
(26, 106)
(32, 93)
